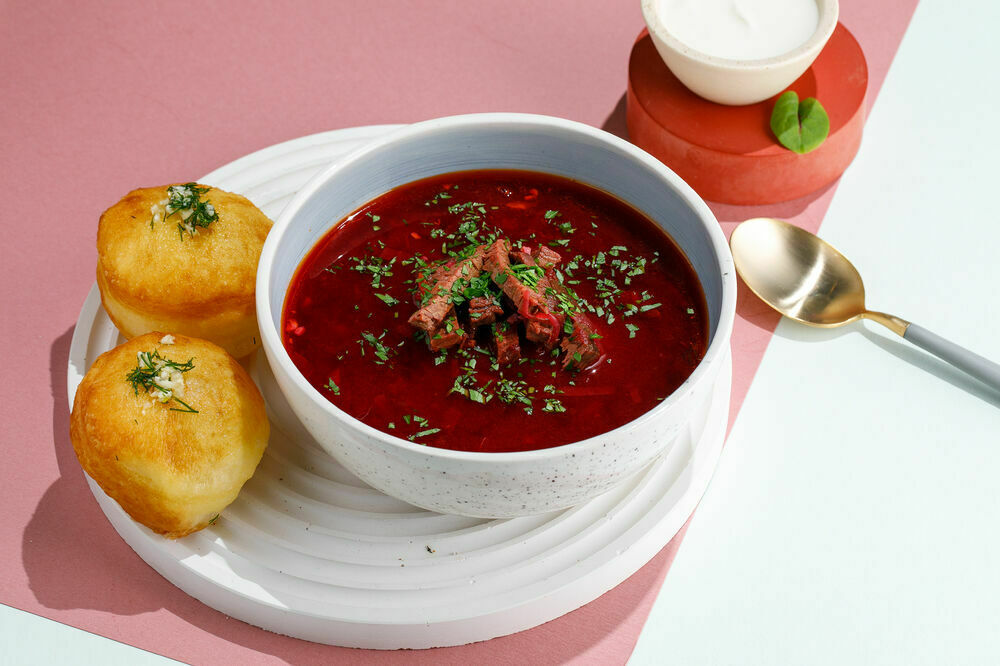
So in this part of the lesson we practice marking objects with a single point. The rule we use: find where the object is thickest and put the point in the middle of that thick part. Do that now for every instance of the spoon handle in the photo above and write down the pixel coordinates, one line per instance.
(982, 369)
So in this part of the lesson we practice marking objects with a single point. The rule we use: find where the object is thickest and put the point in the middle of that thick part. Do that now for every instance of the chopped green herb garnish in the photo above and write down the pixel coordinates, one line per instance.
(156, 375)
(437, 197)
(387, 299)
(552, 405)
(632, 328)
(529, 275)
(331, 386)
(381, 351)
(185, 200)
(423, 433)
(509, 391)
(376, 266)
(464, 290)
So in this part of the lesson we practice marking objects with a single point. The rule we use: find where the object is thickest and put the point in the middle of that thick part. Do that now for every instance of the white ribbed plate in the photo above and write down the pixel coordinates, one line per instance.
(310, 551)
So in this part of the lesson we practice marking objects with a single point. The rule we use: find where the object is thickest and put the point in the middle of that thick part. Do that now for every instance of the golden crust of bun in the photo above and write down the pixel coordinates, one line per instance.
(172, 471)
(200, 285)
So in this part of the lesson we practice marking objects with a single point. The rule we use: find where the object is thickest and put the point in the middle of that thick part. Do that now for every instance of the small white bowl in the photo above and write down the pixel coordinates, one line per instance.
(497, 484)
(737, 82)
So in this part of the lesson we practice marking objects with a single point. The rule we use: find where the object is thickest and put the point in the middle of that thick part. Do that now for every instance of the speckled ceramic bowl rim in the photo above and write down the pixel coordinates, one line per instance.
(717, 348)
(829, 14)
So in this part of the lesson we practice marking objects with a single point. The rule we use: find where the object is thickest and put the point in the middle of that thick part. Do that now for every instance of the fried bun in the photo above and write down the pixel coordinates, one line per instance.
(182, 258)
(170, 427)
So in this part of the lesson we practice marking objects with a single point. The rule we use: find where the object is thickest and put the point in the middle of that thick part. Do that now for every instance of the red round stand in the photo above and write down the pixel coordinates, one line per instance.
(728, 153)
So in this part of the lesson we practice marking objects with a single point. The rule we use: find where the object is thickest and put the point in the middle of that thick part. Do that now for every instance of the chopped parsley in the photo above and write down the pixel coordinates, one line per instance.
(552, 405)
(377, 267)
(510, 391)
(421, 422)
(528, 275)
(387, 299)
(375, 344)
(465, 290)
(437, 197)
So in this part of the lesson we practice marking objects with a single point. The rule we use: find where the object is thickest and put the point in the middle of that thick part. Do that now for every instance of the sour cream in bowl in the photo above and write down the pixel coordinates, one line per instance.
(739, 51)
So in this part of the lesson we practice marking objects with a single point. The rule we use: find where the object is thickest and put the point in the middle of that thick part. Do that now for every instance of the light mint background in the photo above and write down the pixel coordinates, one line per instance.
(854, 516)
(30, 639)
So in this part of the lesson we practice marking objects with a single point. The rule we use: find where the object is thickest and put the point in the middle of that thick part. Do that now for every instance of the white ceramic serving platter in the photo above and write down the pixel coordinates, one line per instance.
(310, 551)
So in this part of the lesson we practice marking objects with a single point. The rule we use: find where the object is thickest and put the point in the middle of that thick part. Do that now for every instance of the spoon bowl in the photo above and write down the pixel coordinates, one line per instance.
(796, 273)
(806, 279)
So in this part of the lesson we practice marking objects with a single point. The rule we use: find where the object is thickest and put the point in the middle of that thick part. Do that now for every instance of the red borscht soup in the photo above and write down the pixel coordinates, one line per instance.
(495, 311)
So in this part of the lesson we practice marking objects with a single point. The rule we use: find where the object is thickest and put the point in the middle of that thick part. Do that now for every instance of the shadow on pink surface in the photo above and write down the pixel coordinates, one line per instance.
(71, 553)
(75, 563)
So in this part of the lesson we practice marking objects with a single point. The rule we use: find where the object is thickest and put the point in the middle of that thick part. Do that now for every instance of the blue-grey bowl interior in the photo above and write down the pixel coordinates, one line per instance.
(552, 149)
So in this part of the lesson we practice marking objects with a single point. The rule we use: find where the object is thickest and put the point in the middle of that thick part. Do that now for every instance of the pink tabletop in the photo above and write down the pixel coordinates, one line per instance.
(100, 98)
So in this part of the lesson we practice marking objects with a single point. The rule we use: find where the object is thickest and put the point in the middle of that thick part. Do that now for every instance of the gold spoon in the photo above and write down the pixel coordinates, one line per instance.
(806, 279)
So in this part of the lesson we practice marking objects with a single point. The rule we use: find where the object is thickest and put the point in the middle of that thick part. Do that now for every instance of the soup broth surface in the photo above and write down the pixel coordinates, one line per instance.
(619, 279)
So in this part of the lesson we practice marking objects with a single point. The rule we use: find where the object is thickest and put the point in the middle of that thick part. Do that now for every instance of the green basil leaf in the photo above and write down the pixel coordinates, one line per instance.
(815, 124)
(785, 120)
(799, 127)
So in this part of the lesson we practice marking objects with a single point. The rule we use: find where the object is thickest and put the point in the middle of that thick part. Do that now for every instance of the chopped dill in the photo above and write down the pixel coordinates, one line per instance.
(185, 200)
(152, 371)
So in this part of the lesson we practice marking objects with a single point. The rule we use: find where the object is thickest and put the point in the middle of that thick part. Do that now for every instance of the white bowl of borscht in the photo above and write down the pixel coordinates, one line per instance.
(496, 315)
